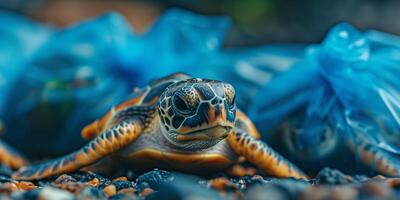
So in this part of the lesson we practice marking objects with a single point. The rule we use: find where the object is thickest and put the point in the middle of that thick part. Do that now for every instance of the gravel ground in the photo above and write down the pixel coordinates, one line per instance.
(241, 183)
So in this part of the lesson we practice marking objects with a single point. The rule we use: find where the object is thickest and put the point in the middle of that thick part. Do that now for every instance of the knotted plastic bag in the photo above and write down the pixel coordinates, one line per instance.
(346, 95)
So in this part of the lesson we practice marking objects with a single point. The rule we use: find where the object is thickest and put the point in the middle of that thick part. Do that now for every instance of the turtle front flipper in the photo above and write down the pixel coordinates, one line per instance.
(10, 157)
(263, 156)
(110, 141)
(377, 159)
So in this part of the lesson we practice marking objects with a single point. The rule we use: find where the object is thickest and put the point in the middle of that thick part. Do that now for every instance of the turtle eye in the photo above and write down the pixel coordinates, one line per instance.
(230, 95)
(181, 104)
(231, 102)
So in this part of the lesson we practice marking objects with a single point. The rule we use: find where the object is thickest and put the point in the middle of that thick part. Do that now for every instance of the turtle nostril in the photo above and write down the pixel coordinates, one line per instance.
(217, 101)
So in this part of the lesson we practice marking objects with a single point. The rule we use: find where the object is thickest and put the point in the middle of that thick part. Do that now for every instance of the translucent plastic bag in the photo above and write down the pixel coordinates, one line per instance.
(346, 97)
(19, 40)
(182, 41)
(81, 71)
(67, 84)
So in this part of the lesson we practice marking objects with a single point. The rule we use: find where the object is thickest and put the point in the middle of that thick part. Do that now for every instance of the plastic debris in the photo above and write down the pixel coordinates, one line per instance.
(79, 72)
(19, 40)
(66, 85)
(345, 96)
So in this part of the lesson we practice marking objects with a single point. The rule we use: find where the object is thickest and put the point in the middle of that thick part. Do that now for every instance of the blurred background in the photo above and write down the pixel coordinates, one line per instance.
(255, 21)
(64, 63)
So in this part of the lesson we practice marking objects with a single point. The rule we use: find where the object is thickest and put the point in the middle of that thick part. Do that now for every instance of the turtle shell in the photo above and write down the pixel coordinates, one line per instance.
(148, 95)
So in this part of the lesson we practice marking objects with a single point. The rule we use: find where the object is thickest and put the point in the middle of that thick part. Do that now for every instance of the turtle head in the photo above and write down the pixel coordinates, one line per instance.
(197, 113)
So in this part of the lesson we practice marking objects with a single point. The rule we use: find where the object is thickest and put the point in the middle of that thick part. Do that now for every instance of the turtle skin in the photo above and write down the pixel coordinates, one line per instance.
(177, 122)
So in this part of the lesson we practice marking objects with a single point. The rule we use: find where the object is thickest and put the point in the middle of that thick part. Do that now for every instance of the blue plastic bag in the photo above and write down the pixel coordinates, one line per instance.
(346, 98)
(179, 41)
(182, 41)
(19, 40)
(80, 72)
(67, 84)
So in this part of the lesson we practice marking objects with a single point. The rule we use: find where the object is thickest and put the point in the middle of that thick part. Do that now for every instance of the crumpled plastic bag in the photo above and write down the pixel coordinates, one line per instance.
(182, 41)
(19, 40)
(346, 93)
(79, 72)
(68, 83)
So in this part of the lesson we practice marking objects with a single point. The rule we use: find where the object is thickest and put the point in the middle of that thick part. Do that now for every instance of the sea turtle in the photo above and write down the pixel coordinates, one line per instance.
(177, 122)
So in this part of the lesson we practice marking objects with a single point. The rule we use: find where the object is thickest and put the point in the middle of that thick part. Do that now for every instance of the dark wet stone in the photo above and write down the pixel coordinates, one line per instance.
(4, 179)
(247, 181)
(359, 178)
(123, 184)
(88, 176)
(46, 193)
(64, 178)
(184, 187)
(141, 186)
(31, 194)
(125, 197)
(333, 177)
(159, 184)
(153, 179)
(91, 193)
(5, 171)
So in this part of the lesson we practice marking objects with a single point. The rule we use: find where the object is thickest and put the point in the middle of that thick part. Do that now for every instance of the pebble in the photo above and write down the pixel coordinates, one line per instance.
(146, 192)
(90, 178)
(51, 193)
(127, 191)
(153, 179)
(160, 184)
(125, 197)
(8, 188)
(121, 178)
(222, 184)
(5, 171)
(91, 193)
(26, 185)
(94, 182)
(184, 187)
(239, 171)
(277, 189)
(247, 181)
(333, 177)
(110, 190)
(123, 185)
(64, 178)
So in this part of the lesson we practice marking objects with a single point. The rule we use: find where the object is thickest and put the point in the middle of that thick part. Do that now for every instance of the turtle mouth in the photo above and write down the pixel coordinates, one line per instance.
(213, 133)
